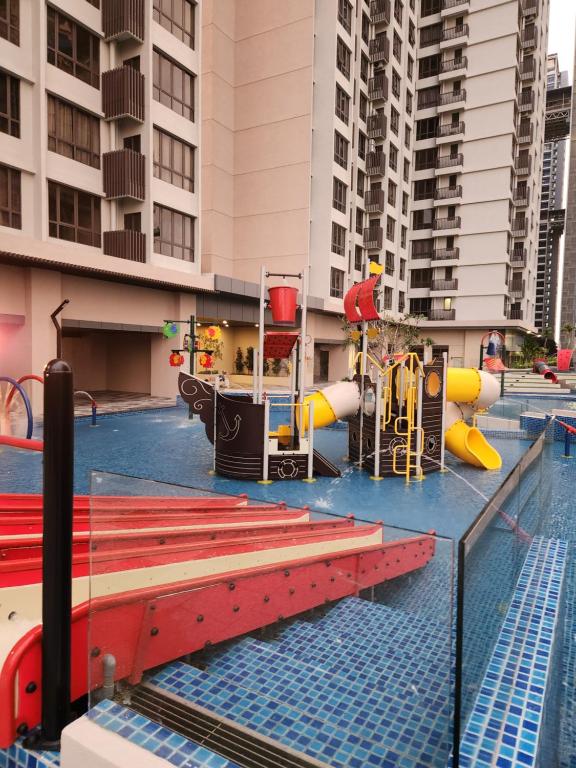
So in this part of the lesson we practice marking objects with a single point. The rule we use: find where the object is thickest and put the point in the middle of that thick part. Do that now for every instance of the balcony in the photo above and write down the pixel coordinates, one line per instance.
(378, 88)
(375, 164)
(373, 237)
(528, 70)
(526, 136)
(454, 33)
(428, 99)
(526, 101)
(515, 314)
(379, 49)
(530, 38)
(125, 244)
(380, 11)
(523, 166)
(123, 94)
(452, 222)
(450, 161)
(517, 289)
(452, 97)
(374, 201)
(521, 197)
(530, 8)
(447, 193)
(451, 129)
(444, 285)
(377, 126)
(123, 20)
(453, 65)
(124, 174)
(444, 254)
(518, 258)
(519, 227)
(441, 314)
(455, 5)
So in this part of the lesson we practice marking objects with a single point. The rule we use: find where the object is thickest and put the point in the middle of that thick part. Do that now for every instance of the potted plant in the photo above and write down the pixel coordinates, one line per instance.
(249, 359)
(239, 361)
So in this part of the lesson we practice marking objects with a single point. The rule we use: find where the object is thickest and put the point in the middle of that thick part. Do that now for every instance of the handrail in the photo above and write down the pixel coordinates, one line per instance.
(21, 442)
(26, 399)
(92, 403)
(21, 380)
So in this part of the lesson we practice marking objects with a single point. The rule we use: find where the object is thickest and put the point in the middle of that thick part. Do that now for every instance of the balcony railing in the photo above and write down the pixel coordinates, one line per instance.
(450, 161)
(521, 197)
(379, 49)
(518, 258)
(530, 7)
(423, 254)
(526, 137)
(519, 227)
(373, 237)
(451, 222)
(517, 289)
(441, 314)
(377, 126)
(380, 11)
(123, 94)
(428, 99)
(526, 101)
(431, 35)
(444, 285)
(442, 254)
(446, 193)
(125, 244)
(378, 88)
(530, 38)
(452, 97)
(123, 174)
(451, 129)
(523, 165)
(453, 33)
(515, 314)
(375, 164)
(374, 200)
(123, 19)
(452, 65)
(528, 70)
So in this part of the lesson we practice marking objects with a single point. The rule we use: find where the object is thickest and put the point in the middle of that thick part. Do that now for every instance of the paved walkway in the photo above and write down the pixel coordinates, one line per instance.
(110, 401)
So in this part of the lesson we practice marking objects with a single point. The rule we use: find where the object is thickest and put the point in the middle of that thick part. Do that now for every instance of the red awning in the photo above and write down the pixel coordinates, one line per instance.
(279, 344)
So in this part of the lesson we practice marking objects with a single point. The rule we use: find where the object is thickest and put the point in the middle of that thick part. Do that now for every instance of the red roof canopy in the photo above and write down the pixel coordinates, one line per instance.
(359, 301)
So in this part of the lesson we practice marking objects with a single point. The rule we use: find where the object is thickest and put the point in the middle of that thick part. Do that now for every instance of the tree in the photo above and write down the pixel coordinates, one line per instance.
(239, 361)
(390, 336)
(249, 359)
(276, 365)
(530, 349)
(568, 331)
(266, 367)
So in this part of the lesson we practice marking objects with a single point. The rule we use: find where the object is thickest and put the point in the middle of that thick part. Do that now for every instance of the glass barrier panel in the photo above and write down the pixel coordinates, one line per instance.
(255, 627)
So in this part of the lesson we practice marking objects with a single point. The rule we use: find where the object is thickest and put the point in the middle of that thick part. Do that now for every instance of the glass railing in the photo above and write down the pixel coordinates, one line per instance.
(254, 628)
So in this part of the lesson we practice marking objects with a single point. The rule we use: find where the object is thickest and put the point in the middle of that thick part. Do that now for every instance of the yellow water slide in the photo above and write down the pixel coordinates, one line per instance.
(467, 391)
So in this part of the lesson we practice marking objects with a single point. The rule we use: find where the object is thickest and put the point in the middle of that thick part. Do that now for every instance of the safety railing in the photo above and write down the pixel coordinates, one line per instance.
(93, 403)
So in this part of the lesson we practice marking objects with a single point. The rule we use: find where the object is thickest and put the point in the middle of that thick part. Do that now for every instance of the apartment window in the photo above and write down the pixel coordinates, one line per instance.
(336, 283)
(9, 105)
(345, 14)
(338, 239)
(429, 66)
(132, 142)
(359, 221)
(390, 228)
(394, 120)
(424, 189)
(133, 62)
(133, 222)
(73, 48)
(428, 97)
(407, 136)
(363, 106)
(420, 306)
(358, 258)
(431, 35)
(364, 63)
(398, 8)
(389, 264)
(410, 70)
(342, 105)
(406, 174)
(396, 83)
(72, 132)
(403, 236)
(10, 198)
(362, 145)
(401, 301)
(393, 158)
(343, 58)
(397, 47)
(10, 20)
(178, 17)
(423, 219)
(391, 193)
(173, 86)
(422, 249)
(411, 33)
(425, 159)
(340, 150)
(173, 160)
(73, 215)
(339, 195)
(427, 128)
(428, 7)
(402, 272)
(365, 28)
(360, 183)
(409, 102)
(173, 233)
(387, 298)
(405, 203)
(420, 278)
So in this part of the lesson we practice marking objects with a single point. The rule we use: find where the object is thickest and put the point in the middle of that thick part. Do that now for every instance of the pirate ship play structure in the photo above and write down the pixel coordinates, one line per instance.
(401, 414)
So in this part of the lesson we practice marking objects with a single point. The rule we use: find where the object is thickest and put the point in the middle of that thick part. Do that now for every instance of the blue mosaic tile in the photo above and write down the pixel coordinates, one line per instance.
(506, 725)
(18, 757)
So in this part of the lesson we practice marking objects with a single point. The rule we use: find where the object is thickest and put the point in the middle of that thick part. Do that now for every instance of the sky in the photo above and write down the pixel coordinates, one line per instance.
(561, 32)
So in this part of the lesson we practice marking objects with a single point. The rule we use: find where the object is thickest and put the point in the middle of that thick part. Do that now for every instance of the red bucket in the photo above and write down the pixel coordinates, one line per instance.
(283, 304)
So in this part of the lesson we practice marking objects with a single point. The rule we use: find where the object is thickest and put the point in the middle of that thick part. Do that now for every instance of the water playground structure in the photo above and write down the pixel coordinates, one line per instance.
(402, 414)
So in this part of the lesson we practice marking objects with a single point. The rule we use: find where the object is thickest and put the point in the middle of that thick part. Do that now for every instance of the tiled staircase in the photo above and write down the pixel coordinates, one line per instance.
(526, 382)
(366, 685)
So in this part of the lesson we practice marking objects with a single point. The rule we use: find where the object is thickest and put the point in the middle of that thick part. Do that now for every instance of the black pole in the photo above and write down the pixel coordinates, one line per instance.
(192, 355)
(57, 553)
(54, 315)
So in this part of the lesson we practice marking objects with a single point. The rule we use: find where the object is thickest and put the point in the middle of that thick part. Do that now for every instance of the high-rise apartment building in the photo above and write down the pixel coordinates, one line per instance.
(154, 155)
(551, 214)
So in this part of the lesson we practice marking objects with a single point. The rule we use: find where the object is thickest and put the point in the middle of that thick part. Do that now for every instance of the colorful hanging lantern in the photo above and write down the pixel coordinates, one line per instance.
(213, 332)
(170, 330)
(205, 360)
(176, 359)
